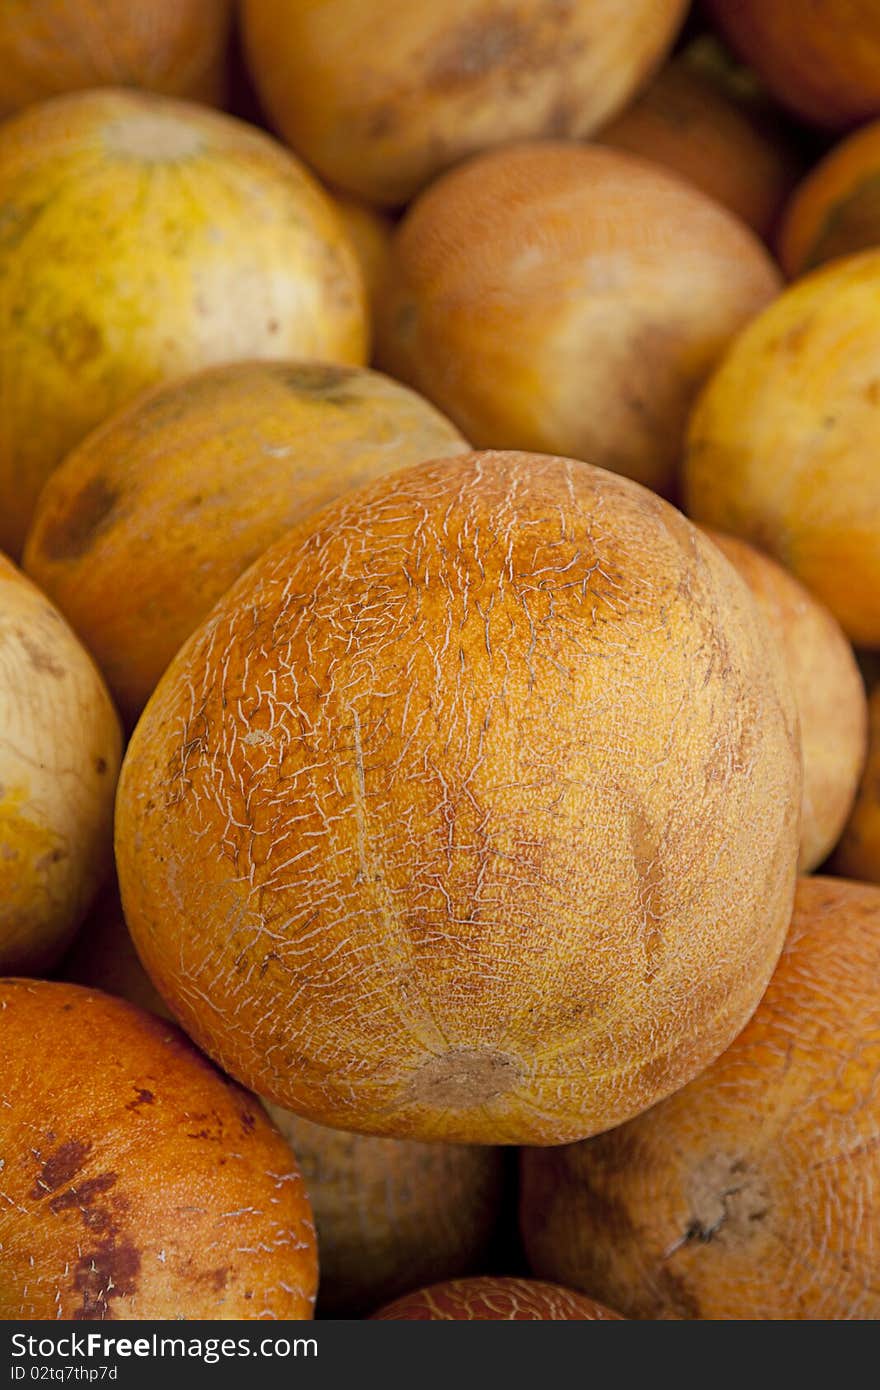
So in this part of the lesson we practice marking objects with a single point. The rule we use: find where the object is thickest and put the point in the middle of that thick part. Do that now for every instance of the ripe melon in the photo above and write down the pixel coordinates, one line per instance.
(389, 1214)
(696, 120)
(380, 95)
(484, 1300)
(836, 210)
(147, 523)
(177, 47)
(392, 1214)
(369, 231)
(143, 238)
(822, 59)
(858, 854)
(829, 692)
(749, 1195)
(569, 299)
(471, 813)
(60, 750)
(137, 1182)
(783, 446)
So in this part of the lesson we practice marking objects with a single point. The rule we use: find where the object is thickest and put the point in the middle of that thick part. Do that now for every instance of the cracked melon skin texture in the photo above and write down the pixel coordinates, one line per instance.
(137, 1181)
(782, 446)
(141, 239)
(472, 811)
(751, 1194)
(490, 1299)
(389, 1215)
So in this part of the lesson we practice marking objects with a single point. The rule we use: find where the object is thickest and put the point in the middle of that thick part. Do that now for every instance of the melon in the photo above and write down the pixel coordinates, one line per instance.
(147, 523)
(141, 239)
(569, 300)
(51, 46)
(471, 813)
(381, 95)
(60, 751)
(783, 446)
(138, 1183)
(748, 1196)
(488, 1299)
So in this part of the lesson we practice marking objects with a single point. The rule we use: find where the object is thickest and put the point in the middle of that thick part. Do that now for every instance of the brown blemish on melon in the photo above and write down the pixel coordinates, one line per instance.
(39, 658)
(504, 45)
(464, 1077)
(143, 1097)
(324, 380)
(474, 49)
(61, 1167)
(728, 1200)
(71, 535)
(83, 1196)
(109, 1271)
(75, 340)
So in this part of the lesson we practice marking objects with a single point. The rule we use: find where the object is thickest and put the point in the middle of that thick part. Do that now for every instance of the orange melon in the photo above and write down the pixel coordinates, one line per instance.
(471, 813)
(47, 47)
(569, 299)
(749, 1195)
(822, 60)
(147, 523)
(381, 95)
(836, 210)
(782, 446)
(484, 1300)
(389, 1214)
(60, 750)
(858, 854)
(828, 688)
(137, 1182)
(694, 119)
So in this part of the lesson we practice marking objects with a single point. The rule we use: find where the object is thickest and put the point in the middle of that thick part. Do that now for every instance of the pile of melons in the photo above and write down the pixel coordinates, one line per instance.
(439, 680)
